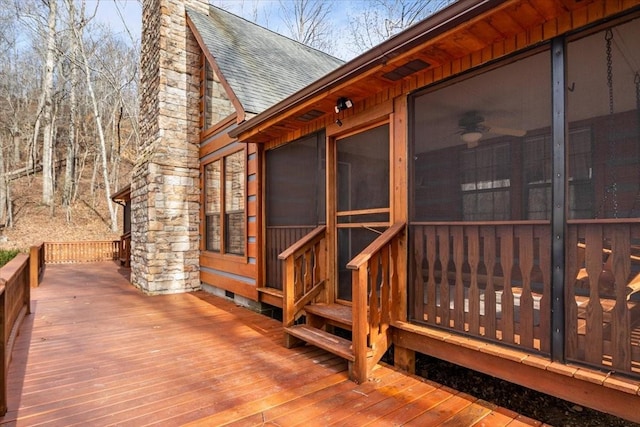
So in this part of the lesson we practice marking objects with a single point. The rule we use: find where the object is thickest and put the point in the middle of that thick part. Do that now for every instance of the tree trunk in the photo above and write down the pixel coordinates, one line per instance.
(47, 89)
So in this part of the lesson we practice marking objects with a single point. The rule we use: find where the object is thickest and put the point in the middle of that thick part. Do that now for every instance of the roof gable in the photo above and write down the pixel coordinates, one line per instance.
(260, 67)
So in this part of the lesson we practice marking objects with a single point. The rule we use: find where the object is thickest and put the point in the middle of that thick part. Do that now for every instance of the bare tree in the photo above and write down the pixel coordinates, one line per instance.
(308, 21)
(381, 19)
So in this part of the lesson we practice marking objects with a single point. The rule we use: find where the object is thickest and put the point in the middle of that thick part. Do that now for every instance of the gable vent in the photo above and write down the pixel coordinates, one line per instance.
(310, 115)
(406, 69)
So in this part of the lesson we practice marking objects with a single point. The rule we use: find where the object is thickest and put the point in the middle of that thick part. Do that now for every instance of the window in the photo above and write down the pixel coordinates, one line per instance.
(485, 183)
(225, 187)
(214, 102)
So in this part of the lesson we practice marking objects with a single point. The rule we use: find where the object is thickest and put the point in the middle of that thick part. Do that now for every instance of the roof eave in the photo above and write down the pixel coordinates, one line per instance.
(442, 21)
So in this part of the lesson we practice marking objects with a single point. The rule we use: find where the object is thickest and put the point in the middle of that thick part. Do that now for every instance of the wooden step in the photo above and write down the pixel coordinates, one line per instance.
(323, 339)
(336, 314)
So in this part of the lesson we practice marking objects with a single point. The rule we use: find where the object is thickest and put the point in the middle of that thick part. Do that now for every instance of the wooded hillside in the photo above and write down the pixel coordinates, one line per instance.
(68, 117)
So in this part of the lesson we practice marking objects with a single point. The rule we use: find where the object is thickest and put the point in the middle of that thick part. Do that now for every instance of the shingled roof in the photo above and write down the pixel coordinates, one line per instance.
(261, 67)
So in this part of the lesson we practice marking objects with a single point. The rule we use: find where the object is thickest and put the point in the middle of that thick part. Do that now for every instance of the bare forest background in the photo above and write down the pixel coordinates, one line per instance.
(69, 124)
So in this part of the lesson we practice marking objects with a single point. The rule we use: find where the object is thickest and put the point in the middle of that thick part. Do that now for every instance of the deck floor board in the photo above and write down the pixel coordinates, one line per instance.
(96, 351)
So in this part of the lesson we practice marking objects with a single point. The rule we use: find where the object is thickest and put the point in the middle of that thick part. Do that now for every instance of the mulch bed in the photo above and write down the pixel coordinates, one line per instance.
(530, 403)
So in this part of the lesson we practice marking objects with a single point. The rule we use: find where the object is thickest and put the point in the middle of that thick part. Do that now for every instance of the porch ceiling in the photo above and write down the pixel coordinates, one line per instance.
(450, 35)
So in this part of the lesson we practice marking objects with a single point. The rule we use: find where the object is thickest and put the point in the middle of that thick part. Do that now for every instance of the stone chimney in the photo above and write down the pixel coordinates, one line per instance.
(165, 192)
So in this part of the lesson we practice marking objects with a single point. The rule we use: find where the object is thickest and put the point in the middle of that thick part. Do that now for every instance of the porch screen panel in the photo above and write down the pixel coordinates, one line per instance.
(480, 199)
(295, 197)
(602, 277)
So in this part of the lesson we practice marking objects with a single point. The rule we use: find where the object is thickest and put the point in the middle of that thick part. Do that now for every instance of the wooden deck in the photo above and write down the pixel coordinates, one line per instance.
(96, 351)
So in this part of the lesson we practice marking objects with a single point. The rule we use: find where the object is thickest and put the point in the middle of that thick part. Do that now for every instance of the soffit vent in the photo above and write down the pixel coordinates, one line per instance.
(406, 69)
(310, 115)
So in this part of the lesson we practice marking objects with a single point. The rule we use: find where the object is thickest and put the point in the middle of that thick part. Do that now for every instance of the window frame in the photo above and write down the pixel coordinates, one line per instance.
(224, 250)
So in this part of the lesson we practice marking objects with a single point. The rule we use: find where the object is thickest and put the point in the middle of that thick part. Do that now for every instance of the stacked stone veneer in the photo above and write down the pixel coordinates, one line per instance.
(165, 191)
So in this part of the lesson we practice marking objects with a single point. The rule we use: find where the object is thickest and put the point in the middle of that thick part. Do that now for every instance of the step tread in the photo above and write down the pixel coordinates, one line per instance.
(336, 312)
(323, 339)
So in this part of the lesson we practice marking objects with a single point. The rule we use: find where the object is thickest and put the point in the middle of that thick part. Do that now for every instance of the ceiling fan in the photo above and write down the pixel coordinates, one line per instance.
(473, 127)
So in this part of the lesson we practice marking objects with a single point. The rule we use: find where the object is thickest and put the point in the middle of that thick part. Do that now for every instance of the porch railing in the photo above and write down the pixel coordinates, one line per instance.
(488, 280)
(602, 291)
(15, 295)
(305, 274)
(81, 251)
(278, 240)
(378, 296)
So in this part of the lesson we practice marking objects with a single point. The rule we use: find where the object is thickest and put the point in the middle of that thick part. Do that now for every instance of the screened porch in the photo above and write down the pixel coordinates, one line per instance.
(525, 201)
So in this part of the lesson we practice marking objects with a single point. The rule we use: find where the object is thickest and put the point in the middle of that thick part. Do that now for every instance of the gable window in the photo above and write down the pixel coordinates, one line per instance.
(225, 204)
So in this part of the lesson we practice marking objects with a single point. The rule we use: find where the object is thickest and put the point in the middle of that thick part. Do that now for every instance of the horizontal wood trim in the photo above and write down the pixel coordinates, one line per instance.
(229, 284)
(227, 121)
(377, 113)
(252, 166)
(229, 263)
(221, 142)
(252, 208)
(480, 223)
(252, 188)
(518, 367)
(252, 250)
(252, 228)
(363, 212)
(270, 296)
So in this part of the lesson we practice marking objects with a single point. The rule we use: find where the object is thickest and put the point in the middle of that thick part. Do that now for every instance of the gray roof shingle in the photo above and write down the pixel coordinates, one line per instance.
(262, 67)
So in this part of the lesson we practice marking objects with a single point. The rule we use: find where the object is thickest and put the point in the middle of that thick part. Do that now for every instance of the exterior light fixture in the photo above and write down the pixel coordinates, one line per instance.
(343, 104)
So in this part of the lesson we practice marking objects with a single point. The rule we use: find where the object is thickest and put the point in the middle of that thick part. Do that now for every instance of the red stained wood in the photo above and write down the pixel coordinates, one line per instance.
(96, 351)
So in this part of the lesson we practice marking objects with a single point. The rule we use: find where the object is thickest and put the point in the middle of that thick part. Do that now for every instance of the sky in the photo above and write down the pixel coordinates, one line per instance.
(119, 15)
(123, 14)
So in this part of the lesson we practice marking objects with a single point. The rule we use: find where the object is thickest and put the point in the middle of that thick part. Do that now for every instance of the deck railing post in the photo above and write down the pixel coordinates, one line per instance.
(4, 357)
(34, 264)
(360, 278)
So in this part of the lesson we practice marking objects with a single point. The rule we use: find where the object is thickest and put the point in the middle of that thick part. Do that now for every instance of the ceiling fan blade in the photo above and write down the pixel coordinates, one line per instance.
(506, 131)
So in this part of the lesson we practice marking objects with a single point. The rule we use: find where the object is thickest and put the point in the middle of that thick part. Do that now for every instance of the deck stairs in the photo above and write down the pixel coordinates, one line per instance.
(321, 321)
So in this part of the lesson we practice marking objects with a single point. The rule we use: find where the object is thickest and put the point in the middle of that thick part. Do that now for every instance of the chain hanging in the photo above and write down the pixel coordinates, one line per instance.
(612, 189)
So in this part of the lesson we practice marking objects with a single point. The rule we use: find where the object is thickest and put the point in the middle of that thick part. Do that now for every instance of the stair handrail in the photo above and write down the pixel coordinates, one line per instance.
(373, 313)
(305, 273)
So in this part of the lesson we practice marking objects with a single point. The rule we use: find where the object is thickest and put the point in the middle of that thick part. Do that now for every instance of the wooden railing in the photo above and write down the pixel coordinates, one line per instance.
(305, 274)
(124, 249)
(378, 296)
(488, 280)
(602, 288)
(15, 295)
(89, 251)
(278, 240)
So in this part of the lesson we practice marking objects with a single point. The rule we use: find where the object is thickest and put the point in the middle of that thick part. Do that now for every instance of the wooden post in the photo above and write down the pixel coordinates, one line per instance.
(34, 264)
(404, 359)
(359, 282)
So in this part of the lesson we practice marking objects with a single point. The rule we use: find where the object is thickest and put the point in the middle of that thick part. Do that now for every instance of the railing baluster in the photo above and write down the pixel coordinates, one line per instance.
(443, 240)
(489, 237)
(430, 232)
(473, 242)
(458, 259)
(506, 301)
(594, 314)
(620, 319)
(526, 322)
